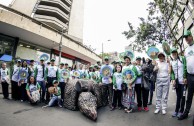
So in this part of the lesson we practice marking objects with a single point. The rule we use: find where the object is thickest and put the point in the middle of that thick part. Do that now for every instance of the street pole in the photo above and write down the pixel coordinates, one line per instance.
(60, 46)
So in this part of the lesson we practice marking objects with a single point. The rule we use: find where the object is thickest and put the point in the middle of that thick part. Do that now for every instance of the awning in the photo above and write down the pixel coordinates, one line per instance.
(5, 58)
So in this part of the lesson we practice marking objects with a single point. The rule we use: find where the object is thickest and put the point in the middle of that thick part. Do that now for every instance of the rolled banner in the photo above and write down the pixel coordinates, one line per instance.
(65, 74)
(106, 71)
(130, 54)
(152, 52)
(45, 57)
(128, 75)
(121, 56)
(77, 74)
(166, 48)
(23, 75)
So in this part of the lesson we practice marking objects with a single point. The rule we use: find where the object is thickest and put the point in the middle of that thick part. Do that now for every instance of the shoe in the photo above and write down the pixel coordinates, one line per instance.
(146, 109)
(175, 114)
(157, 111)
(184, 116)
(139, 108)
(163, 112)
(112, 109)
(149, 103)
(119, 108)
(179, 114)
(60, 106)
(22, 100)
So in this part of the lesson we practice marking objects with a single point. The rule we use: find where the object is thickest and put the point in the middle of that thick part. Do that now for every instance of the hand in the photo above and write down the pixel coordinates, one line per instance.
(46, 82)
(110, 80)
(173, 82)
(185, 81)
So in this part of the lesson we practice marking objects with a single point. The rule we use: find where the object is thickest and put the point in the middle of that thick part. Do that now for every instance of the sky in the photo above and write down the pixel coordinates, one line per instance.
(106, 20)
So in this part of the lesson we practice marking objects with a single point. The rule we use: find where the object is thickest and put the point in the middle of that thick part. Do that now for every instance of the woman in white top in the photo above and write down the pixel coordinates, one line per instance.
(162, 84)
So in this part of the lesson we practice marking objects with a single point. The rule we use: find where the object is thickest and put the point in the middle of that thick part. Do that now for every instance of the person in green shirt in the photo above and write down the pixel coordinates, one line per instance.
(33, 91)
(55, 92)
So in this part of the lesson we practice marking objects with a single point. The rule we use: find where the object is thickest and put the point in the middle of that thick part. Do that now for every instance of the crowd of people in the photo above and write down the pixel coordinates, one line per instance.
(46, 82)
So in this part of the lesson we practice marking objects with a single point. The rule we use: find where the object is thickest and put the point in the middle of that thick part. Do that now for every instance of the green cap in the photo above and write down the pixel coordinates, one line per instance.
(113, 62)
(106, 58)
(173, 50)
(125, 57)
(91, 66)
(138, 58)
(55, 81)
(52, 59)
(187, 33)
(42, 59)
(96, 65)
(61, 63)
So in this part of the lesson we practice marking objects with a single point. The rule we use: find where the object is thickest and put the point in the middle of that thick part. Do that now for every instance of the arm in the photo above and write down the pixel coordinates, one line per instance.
(136, 73)
(114, 82)
(45, 75)
(28, 91)
(35, 72)
(172, 73)
(58, 75)
(184, 67)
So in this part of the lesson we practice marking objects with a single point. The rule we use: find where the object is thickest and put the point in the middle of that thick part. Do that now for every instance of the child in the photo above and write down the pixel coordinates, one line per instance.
(55, 92)
(33, 91)
(117, 81)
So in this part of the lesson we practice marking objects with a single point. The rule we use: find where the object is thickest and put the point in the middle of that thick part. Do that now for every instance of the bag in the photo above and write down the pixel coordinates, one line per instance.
(123, 87)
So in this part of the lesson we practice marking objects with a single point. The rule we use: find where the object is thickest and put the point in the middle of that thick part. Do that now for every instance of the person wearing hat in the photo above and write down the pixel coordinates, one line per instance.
(51, 74)
(14, 81)
(128, 99)
(97, 71)
(62, 80)
(92, 74)
(32, 67)
(98, 63)
(55, 92)
(107, 86)
(162, 84)
(189, 55)
(141, 91)
(39, 74)
(178, 74)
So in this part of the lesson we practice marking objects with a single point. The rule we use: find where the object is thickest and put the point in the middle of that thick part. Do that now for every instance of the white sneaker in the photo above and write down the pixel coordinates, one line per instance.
(164, 112)
(157, 111)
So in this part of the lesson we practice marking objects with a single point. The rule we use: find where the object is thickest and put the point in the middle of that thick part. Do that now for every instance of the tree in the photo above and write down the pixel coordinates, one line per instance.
(156, 28)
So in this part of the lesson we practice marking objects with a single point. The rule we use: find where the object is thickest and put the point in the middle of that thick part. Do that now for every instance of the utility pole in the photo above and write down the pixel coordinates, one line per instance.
(61, 44)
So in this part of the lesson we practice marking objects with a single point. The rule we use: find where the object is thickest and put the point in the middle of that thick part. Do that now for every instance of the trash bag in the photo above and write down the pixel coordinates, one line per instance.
(87, 103)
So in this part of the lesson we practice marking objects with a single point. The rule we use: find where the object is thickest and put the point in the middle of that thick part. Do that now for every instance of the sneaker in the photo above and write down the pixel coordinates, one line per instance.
(184, 116)
(60, 106)
(157, 111)
(149, 103)
(112, 109)
(164, 112)
(119, 108)
(139, 108)
(175, 114)
(146, 109)
(22, 100)
(179, 114)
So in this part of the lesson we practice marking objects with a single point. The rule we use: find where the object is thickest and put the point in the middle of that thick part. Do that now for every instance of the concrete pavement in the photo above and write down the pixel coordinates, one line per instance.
(14, 113)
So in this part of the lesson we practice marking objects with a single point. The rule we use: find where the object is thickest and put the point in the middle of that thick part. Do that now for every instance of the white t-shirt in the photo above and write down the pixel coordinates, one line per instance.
(3, 74)
(189, 54)
(52, 71)
(163, 69)
(176, 64)
(39, 76)
(139, 79)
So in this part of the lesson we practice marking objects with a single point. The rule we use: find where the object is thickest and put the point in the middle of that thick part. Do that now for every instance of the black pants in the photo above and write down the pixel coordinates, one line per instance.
(180, 102)
(117, 98)
(62, 86)
(142, 94)
(15, 90)
(49, 84)
(107, 90)
(190, 83)
(23, 91)
(5, 91)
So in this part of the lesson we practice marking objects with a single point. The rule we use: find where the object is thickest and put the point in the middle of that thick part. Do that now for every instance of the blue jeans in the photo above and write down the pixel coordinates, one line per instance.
(43, 89)
(54, 100)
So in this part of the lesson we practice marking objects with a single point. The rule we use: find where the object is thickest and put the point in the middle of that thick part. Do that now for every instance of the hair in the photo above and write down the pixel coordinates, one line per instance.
(35, 82)
(121, 68)
(3, 63)
(74, 67)
(23, 63)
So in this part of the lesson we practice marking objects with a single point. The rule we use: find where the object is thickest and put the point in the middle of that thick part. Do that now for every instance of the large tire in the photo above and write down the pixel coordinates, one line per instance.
(87, 103)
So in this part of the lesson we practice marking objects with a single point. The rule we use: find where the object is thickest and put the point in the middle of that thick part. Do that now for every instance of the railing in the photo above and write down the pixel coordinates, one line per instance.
(44, 25)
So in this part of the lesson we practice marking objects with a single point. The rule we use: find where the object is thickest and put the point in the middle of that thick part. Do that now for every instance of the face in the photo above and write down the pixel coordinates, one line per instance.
(138, 62)
(106, 61)
(118, 68)
(52, 63)
(66, 66)
(18, 63)
(61, 66)
(189, 40)
(161, 58)
(174, 55)
(41, 62)
(127, 61)
(24, 63)
(32, 79)
(55, 85)
(80, 66)
(4, 65)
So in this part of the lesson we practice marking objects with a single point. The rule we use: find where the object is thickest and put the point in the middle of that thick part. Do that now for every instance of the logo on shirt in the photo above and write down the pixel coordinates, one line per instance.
(190, 53)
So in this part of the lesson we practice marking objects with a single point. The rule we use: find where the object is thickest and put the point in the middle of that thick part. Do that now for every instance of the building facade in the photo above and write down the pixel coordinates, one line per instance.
(31, 28)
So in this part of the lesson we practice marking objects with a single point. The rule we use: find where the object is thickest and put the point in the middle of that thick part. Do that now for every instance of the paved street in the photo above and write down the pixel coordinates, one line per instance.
(14, 113)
